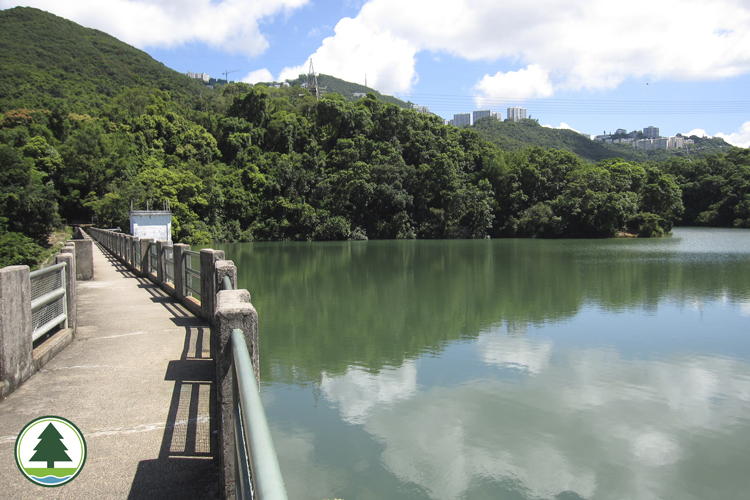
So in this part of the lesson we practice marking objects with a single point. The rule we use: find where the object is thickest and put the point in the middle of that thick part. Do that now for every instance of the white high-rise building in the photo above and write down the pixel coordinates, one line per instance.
(199, 76)
(651, 132)
(481, 114)
(517, 113)
(462, 119)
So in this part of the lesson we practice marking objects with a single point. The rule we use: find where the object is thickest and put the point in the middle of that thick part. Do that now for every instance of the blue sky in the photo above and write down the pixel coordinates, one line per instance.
(591, 65)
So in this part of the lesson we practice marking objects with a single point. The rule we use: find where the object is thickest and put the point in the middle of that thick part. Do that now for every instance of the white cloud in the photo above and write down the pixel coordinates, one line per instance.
(259, 75)
(698, 132)
(230, 25)
(358, 49)
(513, 86)
(563, 126)
(740, 139)
(593, 44)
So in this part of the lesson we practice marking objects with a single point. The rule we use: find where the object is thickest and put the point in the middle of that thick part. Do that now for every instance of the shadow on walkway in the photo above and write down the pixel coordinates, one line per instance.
(188, 457)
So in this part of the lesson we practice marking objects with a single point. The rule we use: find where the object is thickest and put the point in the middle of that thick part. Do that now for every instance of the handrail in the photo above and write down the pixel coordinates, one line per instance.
(46, 270)
(252, 434)
(226, 283)
(190, 274)
(43, 306)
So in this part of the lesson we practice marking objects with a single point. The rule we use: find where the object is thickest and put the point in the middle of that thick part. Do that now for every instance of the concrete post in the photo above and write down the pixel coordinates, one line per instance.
(16, 363)
(160, 245)
(209, 283)
(145, 257)
(233, 310)
(70, 286)
(133, 258)
(179, 269)
(84, 260)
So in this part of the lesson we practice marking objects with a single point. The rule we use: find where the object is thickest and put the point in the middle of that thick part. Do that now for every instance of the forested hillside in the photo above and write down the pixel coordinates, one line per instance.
(242, 163)
(511, 136)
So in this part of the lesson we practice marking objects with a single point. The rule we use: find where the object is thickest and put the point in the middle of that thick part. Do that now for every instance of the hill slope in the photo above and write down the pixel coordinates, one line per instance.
(47, 60)
(335, 85)
(512, 136)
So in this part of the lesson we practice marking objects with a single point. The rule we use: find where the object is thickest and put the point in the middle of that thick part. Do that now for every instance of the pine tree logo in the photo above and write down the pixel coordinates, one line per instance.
(50, 451)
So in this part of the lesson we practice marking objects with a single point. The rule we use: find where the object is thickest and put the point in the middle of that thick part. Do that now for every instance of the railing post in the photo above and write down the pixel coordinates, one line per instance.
(209, 282)
(233, 310)
(133, 257)
(145, 256)
(84, 268)
(70, 286)
(16, 362)
(179, 269)
(160, 245)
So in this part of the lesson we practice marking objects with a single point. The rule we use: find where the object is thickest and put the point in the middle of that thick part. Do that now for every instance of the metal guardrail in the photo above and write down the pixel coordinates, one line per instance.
(192, 274)
(257, 472)
(168, 257)
(49, 304)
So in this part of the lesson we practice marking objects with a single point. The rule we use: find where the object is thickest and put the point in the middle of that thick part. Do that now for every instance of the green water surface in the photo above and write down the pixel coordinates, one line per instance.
(507, 369)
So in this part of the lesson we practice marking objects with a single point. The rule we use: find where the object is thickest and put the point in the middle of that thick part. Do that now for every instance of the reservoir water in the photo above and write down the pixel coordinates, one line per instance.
(507, 369)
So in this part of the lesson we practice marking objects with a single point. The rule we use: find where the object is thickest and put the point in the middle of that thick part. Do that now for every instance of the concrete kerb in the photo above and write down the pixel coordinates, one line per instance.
(233, 310)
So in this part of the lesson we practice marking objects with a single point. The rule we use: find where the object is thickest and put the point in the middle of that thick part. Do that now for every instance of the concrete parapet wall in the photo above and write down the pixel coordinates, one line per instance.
(19, 359)
(16, 362)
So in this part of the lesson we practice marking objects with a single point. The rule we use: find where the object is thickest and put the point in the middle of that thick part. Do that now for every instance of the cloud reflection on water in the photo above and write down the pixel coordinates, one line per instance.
(587, 421)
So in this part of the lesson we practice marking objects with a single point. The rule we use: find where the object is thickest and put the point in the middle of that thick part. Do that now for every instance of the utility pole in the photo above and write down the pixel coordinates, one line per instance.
(227, 73)
(312, 82)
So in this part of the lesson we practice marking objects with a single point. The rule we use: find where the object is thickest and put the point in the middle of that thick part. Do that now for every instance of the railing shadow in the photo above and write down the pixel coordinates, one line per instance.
(188, 465)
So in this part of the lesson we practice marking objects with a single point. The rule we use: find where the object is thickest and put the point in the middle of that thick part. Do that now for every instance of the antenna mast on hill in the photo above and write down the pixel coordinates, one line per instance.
(226, 79)
(312, 82)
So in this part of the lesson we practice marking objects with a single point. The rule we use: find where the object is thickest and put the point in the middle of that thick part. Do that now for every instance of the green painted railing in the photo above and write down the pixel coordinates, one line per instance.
(256, 469)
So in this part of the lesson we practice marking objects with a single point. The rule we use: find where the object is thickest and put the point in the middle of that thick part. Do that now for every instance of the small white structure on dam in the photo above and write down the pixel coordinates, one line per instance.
(154, 224)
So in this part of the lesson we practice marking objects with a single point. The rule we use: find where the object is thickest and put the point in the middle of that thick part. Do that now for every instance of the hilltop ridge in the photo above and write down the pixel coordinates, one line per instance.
(48, 60)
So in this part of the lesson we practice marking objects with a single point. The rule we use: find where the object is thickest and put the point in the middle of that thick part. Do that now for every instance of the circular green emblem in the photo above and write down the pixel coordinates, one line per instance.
(50, 451)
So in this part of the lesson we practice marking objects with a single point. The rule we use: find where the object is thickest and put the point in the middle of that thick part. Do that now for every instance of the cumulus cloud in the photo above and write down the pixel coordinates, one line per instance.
(563, 126)
(740, 139)
(532, 82)
(231, 25)
(357, 49)
(592, 45)
(698, 132)
(259, 75)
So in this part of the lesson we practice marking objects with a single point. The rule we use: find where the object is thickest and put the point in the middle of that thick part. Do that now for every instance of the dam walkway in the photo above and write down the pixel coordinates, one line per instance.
(138, 380)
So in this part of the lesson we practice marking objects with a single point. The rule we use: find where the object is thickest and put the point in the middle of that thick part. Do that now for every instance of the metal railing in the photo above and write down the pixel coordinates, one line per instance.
(49, 304)
(168, 257)
(154, 262)
(192, 274)
(257, 474)
(137, 252)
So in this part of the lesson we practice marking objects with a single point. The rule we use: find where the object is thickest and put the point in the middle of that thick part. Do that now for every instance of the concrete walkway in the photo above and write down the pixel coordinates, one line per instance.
(138, 381)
